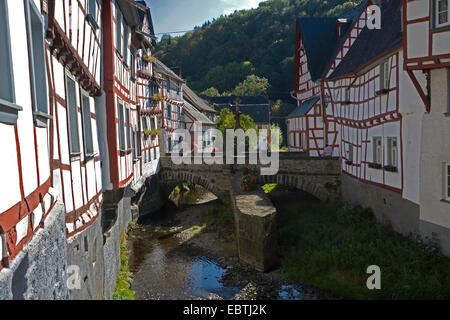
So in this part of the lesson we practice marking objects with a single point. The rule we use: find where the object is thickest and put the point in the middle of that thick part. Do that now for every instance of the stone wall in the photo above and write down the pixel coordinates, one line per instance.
(256, 228)
(39, 270)
(386, 205)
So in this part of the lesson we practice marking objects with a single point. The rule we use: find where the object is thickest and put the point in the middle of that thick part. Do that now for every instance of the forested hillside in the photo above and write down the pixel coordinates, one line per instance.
(223, 52)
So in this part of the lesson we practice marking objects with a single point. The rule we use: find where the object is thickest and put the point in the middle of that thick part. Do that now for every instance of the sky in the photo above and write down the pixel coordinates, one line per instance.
(184, 15)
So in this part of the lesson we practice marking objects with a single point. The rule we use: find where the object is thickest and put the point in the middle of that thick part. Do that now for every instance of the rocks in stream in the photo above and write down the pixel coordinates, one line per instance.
(250, 292)
(213, 296)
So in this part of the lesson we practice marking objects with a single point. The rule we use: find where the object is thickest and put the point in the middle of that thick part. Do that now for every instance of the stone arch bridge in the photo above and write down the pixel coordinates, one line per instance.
(254, 213)
(317, 176)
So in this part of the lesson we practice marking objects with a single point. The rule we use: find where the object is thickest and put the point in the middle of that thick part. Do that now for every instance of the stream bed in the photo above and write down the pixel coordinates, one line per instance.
(173, 258)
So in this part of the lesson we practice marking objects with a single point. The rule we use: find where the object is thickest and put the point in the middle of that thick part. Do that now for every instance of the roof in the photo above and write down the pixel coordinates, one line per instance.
(320, 39)
(195, 100)
(373, 43)
(162, 68)
(197, 114)
(227, 100)
(148, 13)
(130, 13)
(304, 107)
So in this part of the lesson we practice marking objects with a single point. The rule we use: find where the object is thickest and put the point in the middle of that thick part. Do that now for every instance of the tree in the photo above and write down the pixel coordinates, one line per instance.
(252, 86)
(275, 126)
(211, 92)
(227, 120)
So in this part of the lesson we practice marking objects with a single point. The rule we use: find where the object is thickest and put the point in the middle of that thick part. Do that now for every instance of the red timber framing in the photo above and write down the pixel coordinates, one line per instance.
(370, 114)
(430, 53)
(319, 121)
(74, 55)
(34, 201)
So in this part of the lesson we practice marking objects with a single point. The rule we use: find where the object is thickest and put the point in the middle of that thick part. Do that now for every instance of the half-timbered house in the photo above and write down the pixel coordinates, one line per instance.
(28, 197)
(321, 44)
(426, 54)
(378, 115)
(171, 92)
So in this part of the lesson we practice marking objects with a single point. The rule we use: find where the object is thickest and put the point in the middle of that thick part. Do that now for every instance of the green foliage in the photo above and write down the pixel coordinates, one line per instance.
(252, 86)
(222, 53)
(273, 188)
(226, 120)
(211, 92)
(123, 286)
(331, 246)
(275, 147)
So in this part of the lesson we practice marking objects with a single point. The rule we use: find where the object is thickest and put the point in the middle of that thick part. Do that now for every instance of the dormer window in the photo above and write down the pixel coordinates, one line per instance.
(442, 18)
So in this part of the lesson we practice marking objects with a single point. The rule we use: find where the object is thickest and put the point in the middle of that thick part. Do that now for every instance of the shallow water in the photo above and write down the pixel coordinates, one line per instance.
(166, 266)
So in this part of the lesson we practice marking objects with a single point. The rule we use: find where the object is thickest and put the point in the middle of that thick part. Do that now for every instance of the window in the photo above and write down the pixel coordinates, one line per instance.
(127, 127)
(126, 33)
(152, 123)
(87, 124)
(392, 156)
(169, 111)
(377, 150)
(133, 65)
(350, 152)
(169, 144)
(447, 182)
(72, 116)
(179, 113)
(120, 111)
(347, 96)
(36, 52)
(118, 30)
(448, 93)
(442, 18)
(93, 13)
(8, 110)
(384, 76)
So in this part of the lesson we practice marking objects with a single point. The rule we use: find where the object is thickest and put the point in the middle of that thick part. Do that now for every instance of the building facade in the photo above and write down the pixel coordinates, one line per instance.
(426, 55)
(311, 126)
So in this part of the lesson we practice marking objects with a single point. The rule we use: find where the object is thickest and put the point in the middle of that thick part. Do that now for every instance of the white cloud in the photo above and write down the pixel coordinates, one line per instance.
(231, 5)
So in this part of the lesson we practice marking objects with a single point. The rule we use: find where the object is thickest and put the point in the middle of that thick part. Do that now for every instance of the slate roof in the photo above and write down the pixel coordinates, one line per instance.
(373, 43)
(197, 114)
(195, 100)
(304, 107)
(162, 68)
(320, 38)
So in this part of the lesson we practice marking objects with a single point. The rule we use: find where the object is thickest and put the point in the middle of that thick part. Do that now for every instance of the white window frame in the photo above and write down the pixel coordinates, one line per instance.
(126, 35)
(9, 111)
(127, 126)
(378, 150)
(447, 181)
(89, 149)
(384, 75)
(93, 10)
(437, 12)
(121, 117)
(36, 56)
(119, 24)
(350, 152)
(390, 151)
(72, 116)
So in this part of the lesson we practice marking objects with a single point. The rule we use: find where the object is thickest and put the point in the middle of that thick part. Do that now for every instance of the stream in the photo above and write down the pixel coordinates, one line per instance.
(173, 258)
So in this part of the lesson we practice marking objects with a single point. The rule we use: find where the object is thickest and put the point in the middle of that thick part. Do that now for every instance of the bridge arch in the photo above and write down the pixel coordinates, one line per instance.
(320, 188)
(169, 179)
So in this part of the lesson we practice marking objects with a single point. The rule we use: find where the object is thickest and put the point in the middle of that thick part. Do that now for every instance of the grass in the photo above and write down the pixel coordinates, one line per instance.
(273, 188)
(123, 286)
(331, 246)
